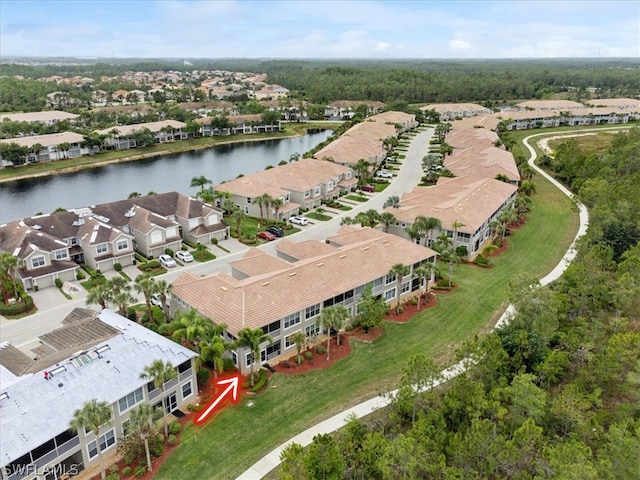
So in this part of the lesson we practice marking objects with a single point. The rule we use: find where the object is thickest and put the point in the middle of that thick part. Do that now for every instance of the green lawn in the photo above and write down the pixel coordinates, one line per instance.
(239, 435)
(318, 216)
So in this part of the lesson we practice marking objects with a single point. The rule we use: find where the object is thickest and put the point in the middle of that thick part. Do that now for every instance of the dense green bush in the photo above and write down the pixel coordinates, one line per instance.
(228, 365)
(481, 260)
(126, 471)
(262, 381)
(117, 267)
(189, 243)
(58, 282)
(320, 349)
(171, 440)
(174, 428)
(308, 355)
(203, 376)
(214, 241)
(17, 308)
(169, 252)
(80, 275)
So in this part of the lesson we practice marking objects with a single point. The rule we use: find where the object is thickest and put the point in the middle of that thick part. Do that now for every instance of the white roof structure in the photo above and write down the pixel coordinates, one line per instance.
(34, 410)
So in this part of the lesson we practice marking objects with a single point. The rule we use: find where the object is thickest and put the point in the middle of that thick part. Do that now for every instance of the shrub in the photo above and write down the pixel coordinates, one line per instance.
(139, 258)
(184, 248)
(171, 440)
(58, 282)
(113, 469)
(192, 407)
(214, 241)
(308, 355)
(481, 260)
(320, 349)
(203, 376)
(113, 476)
(287, 364)
(228, 365)
(400, 309)
(168, 251)
(174, 428)
(141, 470)
(262, 381)
(36, 288)
(126, 471)
(190, 243)
(80, 275)
(117, 267)
(156, 449)
(131, 313)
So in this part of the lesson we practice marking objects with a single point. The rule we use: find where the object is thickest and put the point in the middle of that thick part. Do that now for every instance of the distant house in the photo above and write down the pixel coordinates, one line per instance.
(43, 258)
(302, 184)
(53, 245)
(454, 111)
(346, 109)
(470, 201)
(51, 146)
(285, 294)
(121, 137)
(92, 356)
(238, 125)
(48, 117)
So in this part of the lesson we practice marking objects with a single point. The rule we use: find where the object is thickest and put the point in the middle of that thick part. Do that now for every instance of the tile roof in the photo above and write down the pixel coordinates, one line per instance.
(51, 139)
(468, 200)
(46, 116)
(261, 299)
(13, 359)
(124, 130)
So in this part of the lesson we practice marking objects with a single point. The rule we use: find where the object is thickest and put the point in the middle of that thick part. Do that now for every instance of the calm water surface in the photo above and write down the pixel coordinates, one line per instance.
(24, 198)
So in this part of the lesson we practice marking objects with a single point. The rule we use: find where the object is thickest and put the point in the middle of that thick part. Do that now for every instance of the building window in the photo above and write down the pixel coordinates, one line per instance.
(307, 193)
(106, 441)
(72, 241)
(291, 320)
(249, 200)
(187, 390)
(390, 294)
(288, 342)
(405, 287)
(61, 254)
(317, 191)
(37, 262)
(247, 359)
(312, 311)
(390, 279)
(234, 355)
(122, 245)
(312, 330)
(125, 427)
(125, 403)
(102, 248)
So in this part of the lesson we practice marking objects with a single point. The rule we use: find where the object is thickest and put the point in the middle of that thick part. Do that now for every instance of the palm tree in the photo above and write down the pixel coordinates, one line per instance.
(277, 204)
(163, 288)
(123, 299)
(195, 328)
(299, 339)
(425, 272)
(442, 243)
(146, 285)
(393, 201)
(332, 317)
(8, 265)
(527, 187)
(370, 218)
(64, 147)
(450, 257)
(212, 349)
(91, 416)
(456, 225)
(506, 217)
(387, 219)
(252, 339)
(160, 373)
(200, 181)
(238, 217)
(99, 295)
(141, 423)
(362, 169)
(430, 224)
(399, 270)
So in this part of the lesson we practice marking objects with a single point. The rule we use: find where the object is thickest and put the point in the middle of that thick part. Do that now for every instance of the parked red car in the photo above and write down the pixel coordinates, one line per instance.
(368, 188)
(266, 236)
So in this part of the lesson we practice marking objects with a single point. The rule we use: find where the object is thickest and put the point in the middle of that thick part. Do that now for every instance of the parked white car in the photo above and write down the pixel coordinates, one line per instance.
(167, 261)
(383, 174)
(297, 220)
(156, 300)
(184, 256)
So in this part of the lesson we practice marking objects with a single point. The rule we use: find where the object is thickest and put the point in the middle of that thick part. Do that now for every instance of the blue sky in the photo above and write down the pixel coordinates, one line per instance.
(320, 29)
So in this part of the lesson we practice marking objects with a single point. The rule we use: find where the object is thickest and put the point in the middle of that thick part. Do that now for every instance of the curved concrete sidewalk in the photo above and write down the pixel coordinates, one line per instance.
(270, 461)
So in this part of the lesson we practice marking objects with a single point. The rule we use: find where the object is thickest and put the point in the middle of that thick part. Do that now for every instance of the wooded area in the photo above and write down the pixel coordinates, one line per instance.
(489, 82)
(555, 394)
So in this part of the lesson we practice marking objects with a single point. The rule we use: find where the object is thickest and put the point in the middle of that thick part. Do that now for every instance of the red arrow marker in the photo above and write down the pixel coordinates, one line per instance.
(232, 386)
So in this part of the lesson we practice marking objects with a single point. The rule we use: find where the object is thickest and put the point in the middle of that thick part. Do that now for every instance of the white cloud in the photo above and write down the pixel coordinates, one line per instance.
(459, 45)
(382, 46)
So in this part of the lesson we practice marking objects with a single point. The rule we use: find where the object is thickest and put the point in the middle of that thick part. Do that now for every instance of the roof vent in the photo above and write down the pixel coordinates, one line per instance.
(265, 284)
(4, 396)
(292, 274)
(320, 264)
(343, 255)
(79, 222)
(130, 213)
(36, 227)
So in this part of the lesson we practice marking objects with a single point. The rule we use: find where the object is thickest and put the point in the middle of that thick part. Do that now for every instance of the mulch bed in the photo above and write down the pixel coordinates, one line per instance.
(409, 311)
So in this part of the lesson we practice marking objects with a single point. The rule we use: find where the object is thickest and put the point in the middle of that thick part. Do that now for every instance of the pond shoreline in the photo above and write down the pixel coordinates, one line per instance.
(140, 156)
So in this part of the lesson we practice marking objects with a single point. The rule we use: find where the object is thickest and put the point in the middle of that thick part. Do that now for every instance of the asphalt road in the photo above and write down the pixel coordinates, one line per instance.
(53, 306)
